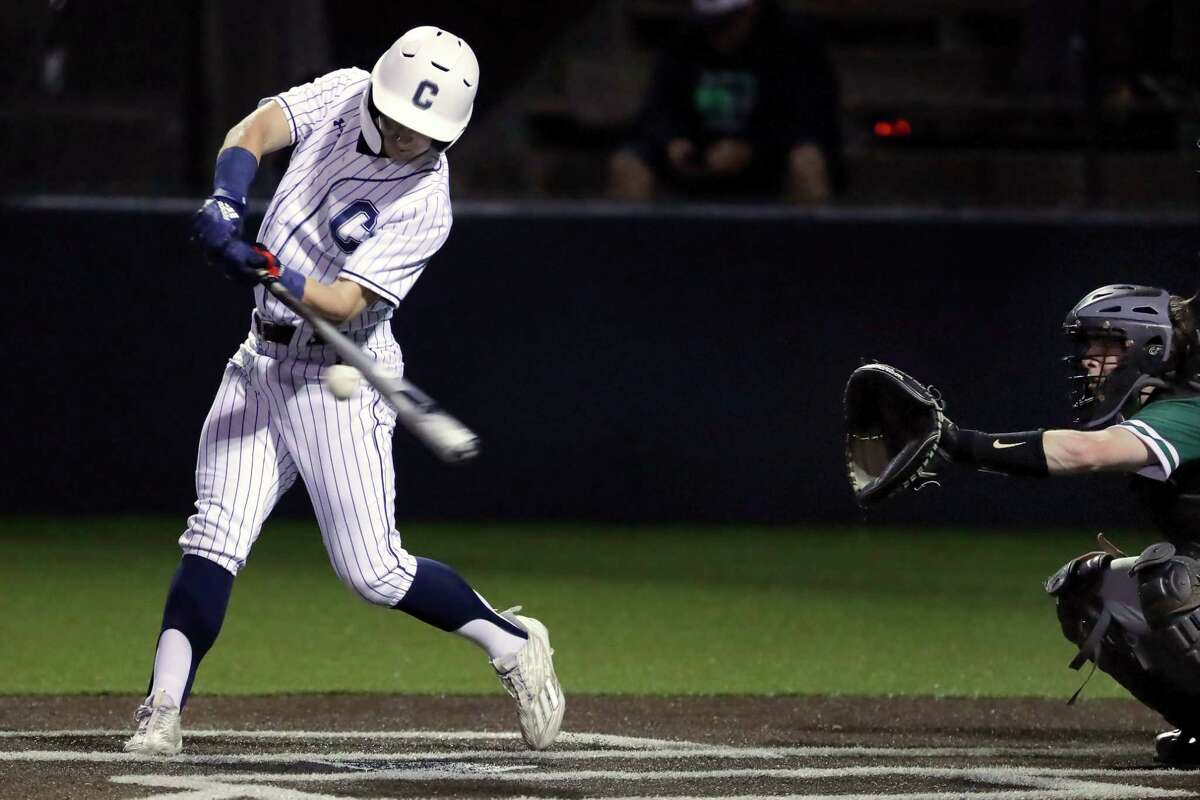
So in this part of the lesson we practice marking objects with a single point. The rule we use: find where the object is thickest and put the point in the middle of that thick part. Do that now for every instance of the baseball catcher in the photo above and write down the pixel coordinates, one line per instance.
(1136, 399)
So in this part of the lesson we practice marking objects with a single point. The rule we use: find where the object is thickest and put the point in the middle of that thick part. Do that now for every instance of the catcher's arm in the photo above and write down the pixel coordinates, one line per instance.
(1113, 449)
(898, 437)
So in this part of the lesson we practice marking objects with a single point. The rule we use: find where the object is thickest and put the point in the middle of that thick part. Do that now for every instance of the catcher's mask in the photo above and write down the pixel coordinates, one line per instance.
(1122, 343)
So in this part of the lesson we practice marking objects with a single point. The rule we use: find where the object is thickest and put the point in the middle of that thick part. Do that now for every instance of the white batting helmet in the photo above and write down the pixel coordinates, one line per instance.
(426, 81)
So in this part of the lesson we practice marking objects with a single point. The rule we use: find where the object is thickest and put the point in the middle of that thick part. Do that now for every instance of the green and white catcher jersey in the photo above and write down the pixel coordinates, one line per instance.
(1170, 428)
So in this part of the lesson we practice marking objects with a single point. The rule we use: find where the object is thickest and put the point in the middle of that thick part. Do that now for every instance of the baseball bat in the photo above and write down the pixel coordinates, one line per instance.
(449, 439)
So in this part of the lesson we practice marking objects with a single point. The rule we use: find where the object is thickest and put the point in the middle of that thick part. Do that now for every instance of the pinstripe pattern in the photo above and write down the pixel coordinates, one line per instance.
(272, 420)
(328, 174)
(242, 469)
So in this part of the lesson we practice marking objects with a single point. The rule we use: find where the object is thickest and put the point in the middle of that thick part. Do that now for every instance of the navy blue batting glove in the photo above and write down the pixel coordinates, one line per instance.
(242, 262)
(217, 222)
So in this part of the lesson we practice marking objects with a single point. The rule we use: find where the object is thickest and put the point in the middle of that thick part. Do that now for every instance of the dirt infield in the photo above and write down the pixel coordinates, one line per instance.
(306, 747)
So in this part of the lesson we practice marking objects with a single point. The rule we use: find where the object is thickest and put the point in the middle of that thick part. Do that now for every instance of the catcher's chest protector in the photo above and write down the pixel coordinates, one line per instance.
(1174, 506)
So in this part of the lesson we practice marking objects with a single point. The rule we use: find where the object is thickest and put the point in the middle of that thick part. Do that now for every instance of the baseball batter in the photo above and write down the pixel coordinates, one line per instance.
(363, 206)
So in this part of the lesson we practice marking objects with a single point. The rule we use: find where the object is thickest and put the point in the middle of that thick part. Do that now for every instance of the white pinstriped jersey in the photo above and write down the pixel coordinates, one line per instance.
(340, 211)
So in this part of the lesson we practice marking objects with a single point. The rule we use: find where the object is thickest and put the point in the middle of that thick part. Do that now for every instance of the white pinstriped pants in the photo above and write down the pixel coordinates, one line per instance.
(271, 421)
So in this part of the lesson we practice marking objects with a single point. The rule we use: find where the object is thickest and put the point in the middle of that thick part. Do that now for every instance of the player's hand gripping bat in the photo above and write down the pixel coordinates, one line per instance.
(449, 439)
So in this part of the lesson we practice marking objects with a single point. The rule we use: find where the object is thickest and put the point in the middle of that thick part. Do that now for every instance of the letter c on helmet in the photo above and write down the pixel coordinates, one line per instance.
(424, 88)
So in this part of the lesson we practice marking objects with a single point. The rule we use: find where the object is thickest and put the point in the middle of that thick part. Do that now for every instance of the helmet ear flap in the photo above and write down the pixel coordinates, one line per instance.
(370, 128)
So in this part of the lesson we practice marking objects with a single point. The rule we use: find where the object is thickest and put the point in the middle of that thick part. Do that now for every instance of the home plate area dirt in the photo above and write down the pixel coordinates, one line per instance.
(339, 746)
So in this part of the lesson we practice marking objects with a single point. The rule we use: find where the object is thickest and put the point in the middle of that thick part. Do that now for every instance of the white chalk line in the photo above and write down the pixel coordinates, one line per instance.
(716, 754)
(640, 747)
(201, 790)
(1049, 778)
(1026, 783)
(566, 737)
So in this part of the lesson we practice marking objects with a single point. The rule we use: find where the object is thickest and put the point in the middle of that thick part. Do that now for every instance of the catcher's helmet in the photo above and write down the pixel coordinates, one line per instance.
(426, 81)
(1135, 322)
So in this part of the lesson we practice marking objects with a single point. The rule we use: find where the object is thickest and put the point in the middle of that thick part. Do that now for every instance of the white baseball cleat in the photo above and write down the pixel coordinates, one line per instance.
(157, 731)
(528, 676)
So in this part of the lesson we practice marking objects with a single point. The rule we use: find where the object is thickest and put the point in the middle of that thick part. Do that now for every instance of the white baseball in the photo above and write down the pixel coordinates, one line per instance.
(342, 380)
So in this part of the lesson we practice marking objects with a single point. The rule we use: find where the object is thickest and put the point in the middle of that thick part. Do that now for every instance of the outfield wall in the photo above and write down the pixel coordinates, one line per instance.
(683, 365)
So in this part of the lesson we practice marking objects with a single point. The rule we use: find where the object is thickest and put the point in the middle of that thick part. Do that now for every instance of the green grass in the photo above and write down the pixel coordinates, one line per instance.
(630, 610)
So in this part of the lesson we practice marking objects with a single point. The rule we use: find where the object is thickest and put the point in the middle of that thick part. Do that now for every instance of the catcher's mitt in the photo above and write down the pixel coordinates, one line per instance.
(893, 427)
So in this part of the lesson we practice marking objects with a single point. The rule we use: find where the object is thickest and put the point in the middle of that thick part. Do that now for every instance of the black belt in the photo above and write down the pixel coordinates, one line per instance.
(282, 334)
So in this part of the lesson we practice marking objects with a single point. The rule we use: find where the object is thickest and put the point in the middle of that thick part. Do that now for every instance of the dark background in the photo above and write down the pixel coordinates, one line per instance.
(700, 380)
(1011, 103)
(650, 363)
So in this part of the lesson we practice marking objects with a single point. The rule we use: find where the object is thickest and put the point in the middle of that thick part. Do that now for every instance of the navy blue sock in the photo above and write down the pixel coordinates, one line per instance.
(441, 598)
(196, 604)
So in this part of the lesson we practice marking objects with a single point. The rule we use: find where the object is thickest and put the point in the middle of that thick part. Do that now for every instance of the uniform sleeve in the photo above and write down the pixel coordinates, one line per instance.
(1170, 429)
(307, 104)
(393, 257)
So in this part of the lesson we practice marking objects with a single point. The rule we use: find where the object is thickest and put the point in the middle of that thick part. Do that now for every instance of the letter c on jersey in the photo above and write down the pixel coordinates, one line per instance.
(425, 88)
(353, 224)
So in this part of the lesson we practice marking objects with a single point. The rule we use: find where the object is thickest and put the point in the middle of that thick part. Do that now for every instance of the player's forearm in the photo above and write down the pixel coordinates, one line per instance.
(1079, 452)
(339, 301)
(244, 136)
(1018, 453)
(1070, 453)
(262, 131)
(1048, 452)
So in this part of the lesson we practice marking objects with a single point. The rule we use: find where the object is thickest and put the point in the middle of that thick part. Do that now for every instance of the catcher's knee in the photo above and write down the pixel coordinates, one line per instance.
(1168, 588)
(1134, 657)
(1075, 589)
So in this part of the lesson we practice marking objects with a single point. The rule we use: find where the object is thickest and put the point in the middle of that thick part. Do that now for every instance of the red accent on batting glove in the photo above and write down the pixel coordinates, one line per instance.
(273, 268)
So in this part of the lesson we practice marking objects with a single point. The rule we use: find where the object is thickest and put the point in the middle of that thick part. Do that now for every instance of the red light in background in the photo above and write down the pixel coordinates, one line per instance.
(889, 128)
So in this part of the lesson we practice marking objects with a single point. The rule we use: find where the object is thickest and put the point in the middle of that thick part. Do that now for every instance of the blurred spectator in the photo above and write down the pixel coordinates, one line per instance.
(743, 105)
(1133, 48)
